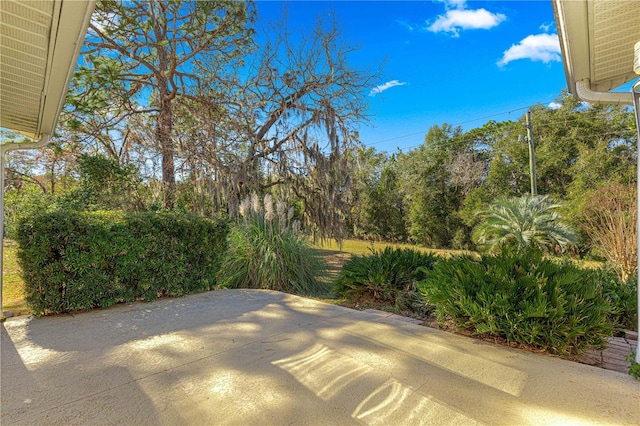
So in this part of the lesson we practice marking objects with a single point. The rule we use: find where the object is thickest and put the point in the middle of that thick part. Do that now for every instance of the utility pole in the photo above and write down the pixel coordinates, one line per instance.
(532, 156)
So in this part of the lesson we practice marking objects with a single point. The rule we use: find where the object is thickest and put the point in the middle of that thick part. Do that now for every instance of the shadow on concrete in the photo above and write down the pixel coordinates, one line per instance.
(246, 356)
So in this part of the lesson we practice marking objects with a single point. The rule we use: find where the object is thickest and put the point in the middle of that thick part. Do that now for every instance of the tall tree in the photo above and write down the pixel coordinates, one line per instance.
(578, 147)
(145, 53)
(286, 119)
(435, 178)
(378, 209)
(51, 168)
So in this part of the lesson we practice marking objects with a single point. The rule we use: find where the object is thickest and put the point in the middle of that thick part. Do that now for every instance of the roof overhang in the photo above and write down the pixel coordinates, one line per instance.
(597, 39)
(39, 46)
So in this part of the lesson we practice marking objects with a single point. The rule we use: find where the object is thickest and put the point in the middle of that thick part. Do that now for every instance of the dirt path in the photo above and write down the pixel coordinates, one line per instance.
(335, 260)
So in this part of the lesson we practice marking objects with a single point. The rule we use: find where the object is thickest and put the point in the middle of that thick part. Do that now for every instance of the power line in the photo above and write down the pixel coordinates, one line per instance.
(545, 124)
(606, 133)
(454, 124)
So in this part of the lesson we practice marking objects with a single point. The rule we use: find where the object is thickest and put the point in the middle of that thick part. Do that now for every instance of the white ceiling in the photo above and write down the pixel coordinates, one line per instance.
(39, 45)
(597, 39)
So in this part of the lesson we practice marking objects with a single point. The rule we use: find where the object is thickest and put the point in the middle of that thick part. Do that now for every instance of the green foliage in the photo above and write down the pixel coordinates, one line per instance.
(446, 180)
(83, 260)
(578, 147)
(624, 299)
(266, 251)
(386, 276)
(107, 185)
(634, 367)
(523, 298)
(523, 222)
(139, 47)
(22, 203)
(378, 212)
(193, 199)
(433, 180)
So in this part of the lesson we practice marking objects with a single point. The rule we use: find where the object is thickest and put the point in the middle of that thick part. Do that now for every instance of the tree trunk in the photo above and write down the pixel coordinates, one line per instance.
(163, 135)
(164, 130)
(53, 178)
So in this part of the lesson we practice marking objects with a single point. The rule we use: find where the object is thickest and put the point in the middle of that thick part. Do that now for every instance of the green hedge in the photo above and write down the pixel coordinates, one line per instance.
(82, 260)
(524, 298)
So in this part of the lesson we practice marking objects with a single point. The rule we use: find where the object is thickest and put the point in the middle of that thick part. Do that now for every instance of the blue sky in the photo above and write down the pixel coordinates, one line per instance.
(454, 61)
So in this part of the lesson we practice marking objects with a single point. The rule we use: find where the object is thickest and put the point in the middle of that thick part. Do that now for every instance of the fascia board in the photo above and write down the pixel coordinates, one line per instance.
(573, 31)
(66, 41)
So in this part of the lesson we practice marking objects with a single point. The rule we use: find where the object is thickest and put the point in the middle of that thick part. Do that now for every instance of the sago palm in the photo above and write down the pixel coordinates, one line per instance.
(526, 221)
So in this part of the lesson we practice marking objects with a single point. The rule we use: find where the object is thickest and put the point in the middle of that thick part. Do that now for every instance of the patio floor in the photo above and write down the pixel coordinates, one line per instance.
(260, 357)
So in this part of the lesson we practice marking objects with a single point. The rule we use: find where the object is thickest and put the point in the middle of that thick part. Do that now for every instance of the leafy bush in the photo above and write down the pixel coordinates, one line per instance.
(106, 184)
(387, 276)
(21, 203)
(266, 251)
(624, 299)
(82, 260)
(634, 367)
(523, 298)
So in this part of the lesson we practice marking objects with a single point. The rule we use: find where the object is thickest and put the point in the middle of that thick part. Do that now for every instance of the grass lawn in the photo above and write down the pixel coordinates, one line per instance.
(13, 287)
(361, 247)
(335, 256)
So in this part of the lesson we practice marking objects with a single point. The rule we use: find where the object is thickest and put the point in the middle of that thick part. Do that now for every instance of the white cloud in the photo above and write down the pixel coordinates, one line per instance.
(456, 18)
(461, 19)
(388, 85)
(406, 24)
(546, 27)
(538, 47)
(454, 4)
(554, 105)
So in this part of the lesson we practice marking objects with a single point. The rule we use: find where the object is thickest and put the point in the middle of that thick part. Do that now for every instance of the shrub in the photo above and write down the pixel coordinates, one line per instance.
(523, 298)
(609, 218)
(522, 223)
(265, 251)
(386, 276)
(624, 299)
(106, 184)
(20, 203)
(634, 367)
(83, 260)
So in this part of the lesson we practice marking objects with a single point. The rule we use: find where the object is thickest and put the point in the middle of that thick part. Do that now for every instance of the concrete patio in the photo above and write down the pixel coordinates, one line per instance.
(258, 357)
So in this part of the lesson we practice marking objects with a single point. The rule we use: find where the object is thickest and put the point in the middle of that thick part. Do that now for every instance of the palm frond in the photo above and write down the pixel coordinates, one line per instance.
(526, 221)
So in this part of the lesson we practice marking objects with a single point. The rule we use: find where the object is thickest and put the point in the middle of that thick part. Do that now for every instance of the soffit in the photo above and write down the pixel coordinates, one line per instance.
(39, 44)
(597, 39)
